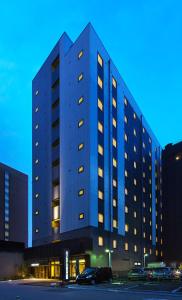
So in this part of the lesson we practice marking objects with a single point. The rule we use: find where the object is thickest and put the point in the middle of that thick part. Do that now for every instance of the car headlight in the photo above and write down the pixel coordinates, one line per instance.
(89, 276)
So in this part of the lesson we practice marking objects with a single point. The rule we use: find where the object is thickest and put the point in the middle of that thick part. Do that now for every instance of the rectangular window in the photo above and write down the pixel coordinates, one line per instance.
(114, 244)
(100, 172)
(80, 146)
(100, 195)
(80, 169)
(80, 54)
(80, 123)
(80, 77)
(100, 127)
(80, 100)
(114, 102)
(100, 241)
(114, 223)
(114, 142)
(100, 60)
(135, 231)
(100, 218)
(114, 122)
(126, 209)
(81, 216)
(114, 203)
(114, 83)
(126, 246)
(100, 105)
(100, 83)
(81, 192)
(100, 150)
(135, 248)
(114, 162)
(126, 227)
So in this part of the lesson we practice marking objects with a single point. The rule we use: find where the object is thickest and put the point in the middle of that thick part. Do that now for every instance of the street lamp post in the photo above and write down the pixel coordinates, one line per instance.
(144, 259)
(109, 256)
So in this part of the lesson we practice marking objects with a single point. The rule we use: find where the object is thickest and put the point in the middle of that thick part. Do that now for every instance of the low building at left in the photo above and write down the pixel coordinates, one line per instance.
(13, 219)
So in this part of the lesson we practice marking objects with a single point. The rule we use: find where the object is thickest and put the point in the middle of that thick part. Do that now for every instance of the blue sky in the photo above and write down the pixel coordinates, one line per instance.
(144, 39)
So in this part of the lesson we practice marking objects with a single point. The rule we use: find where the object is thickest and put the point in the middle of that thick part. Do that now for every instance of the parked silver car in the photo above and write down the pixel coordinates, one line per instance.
(137, 274)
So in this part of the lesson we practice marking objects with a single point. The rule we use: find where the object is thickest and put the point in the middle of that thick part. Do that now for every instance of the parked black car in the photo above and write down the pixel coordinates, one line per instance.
(94, 275)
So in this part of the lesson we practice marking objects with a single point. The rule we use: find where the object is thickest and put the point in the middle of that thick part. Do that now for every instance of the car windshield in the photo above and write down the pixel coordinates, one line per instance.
(136, 271)
(89, 271)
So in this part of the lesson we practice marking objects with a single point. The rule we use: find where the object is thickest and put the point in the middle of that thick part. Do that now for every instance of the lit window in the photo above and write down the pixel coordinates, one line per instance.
(36, 161)
(126, 246)
(114, 162)
(81, 216)
(36, 230)
(80, 146)
(80, 100)
(135, 248)
(143, 130)
(100, 105)
(144, 205)
(114, 102)
(114, 142)
(114, 122)
(36, 212)
(100, 127)
(80, 169)
(36, 93)
(126, 173)
(114, 223)
(80, 77)
(144, 234)
(81, 192)
(126, 209)
(125, 119)
(126, 227)
(150, 251)
(100, 218)
(134, 132)
(134, 115)
(177, 157)
(114, 182)
(126, 137)
(135, 214)
(125, 155)
(144, 220)
(143, 174)
(143, 159)
(126, 191)
(99, 59)
(100, 241)
(156, 253)
(135, 231)
(37, 109)
(80, 123)
(80, 54)
(150, 237)
(150, 154)
(134, 148)
(100, 195)
(135, 182)
(36, 178)
(144, 190)
(144, 250)
(150, 141)
(99, 81)
(100, 172)
(135, 198)
(100, 150)
(114, 244)
(125, 101)
(36, 126)
(114, 83)
(36, 195)
(36, 144)
(114, 203)
(134, 164)
(144, 145)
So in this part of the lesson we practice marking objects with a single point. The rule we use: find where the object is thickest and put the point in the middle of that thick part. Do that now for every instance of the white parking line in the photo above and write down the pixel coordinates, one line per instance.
(177, 290)
(131, 287)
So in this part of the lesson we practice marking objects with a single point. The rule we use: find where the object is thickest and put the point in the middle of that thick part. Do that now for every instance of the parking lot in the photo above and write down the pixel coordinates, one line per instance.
(124, 290)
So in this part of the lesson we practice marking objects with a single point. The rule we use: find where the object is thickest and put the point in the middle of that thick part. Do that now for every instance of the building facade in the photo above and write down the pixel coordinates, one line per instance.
(13, 205)
(96, 162)
(172, 195)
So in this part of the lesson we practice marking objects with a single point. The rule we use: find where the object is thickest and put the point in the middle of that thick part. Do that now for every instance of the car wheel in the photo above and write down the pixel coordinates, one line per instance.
(92, 282)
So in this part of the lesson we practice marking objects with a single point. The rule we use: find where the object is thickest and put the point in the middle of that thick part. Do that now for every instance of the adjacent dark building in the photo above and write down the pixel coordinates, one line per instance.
(172, 195)
(13, 205)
